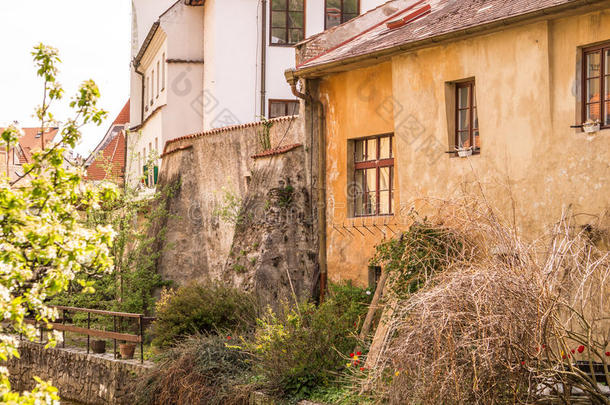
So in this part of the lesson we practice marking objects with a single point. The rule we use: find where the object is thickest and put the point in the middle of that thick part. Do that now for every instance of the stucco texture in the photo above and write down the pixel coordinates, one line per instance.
(532, 167)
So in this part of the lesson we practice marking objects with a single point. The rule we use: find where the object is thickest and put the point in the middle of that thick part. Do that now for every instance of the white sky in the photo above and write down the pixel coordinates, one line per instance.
(93, 38)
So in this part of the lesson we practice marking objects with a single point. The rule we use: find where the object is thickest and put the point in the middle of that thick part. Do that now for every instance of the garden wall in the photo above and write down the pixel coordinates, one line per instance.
(273, 245)
(87, 379)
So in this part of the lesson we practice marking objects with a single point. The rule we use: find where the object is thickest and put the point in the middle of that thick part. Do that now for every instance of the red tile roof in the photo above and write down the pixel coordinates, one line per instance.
(123, 117)
(31, 141)
(446, 17)
(111, 158)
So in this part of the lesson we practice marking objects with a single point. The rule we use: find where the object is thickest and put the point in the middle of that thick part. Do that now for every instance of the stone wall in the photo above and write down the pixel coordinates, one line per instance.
(89, 379)
(208, 168)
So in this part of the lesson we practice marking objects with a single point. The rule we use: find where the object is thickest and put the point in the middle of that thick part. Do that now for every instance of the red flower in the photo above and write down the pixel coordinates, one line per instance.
(523, 363)
(563, 357)
(359, 354)
(356, 362)
(573, 351)
(355, 324)
(361, 368)
(581, 349)
(228, 337)
(608, 354)
(351, 355)
(544, 346)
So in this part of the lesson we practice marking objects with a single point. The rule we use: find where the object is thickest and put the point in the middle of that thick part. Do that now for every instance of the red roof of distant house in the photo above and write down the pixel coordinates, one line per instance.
(109, 156)
(110, 163)
(32, 140)
(123, 117)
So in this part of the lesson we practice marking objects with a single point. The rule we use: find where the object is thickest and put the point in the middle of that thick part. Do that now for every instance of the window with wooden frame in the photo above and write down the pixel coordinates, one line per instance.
(596, 85)
(373, 191)
(283, 108)
(287, 22)
(337, 12)
(466, 117)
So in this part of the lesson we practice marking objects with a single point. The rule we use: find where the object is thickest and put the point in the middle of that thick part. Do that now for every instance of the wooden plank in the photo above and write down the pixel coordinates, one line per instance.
(90, 332)
(98, 311)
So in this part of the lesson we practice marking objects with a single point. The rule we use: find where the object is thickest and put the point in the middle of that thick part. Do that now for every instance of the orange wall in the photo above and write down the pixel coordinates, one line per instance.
(357, 104)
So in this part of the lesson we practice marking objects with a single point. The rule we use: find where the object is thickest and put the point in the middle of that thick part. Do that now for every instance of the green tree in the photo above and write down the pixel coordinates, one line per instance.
(43, 242)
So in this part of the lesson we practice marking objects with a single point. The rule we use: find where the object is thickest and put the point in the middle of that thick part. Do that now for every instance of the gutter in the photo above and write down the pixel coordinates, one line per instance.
(320, 70)
(263, 58)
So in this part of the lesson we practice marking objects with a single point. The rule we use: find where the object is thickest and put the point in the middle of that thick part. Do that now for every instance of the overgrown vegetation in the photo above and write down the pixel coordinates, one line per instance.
(198, 308)
(417, 255)
(201, 369)
(507, 325)
(308, 347)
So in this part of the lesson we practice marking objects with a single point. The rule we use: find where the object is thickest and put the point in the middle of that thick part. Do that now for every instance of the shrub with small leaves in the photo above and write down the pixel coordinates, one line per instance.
(198, 308)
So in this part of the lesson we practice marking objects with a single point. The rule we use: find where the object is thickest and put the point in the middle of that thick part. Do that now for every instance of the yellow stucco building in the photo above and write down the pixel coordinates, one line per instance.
(438, 99)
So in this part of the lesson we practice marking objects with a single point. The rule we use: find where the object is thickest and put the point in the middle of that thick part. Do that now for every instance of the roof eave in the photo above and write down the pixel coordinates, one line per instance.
(384, 54)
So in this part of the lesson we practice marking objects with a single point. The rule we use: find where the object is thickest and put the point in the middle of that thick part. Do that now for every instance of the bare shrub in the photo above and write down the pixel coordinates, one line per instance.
(503, 324)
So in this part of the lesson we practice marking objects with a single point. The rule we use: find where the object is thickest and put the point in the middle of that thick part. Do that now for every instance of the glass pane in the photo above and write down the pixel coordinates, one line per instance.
(371, 149)
(293, 108)
(593, 64)
(463, 100)
(350, 6)
(359, 205)
(333, 13)
(277, 110)
(593, 113)
(384, 202)
(384, 148)
(371, 180)
(278, 19)
(477, 139)
(463, 139)
(607, 62)
(296, 5)
(296, 19)
(371, 203)
(278, 5)
(296, 35)
(476, 118)
(607, 114)
(384, 178)
(593, 90)
(278, 36)
(359, 148)
(474, 96)
(463, 120)
(607, 87)
(348, 16)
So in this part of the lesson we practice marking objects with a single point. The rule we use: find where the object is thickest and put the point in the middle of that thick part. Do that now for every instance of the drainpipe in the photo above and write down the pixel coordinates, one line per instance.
(135, 67)
(263, 57)
(316, 121)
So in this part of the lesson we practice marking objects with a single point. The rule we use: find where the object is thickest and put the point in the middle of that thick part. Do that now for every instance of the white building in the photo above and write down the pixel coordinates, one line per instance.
(204, 64)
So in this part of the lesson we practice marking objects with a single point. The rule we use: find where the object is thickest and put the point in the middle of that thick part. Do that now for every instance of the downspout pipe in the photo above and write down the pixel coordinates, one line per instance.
(263, 57)
(316, 121)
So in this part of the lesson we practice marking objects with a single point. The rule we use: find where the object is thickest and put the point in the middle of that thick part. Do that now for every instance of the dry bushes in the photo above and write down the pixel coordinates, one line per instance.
(199, 370)
(500, 323)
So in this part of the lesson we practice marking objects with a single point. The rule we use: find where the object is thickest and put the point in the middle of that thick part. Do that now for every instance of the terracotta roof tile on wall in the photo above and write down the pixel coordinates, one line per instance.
(277, 151)
(113, 154)
(446, 17)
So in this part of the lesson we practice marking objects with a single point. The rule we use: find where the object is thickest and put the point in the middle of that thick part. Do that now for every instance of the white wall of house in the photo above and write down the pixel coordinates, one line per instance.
(213, 68)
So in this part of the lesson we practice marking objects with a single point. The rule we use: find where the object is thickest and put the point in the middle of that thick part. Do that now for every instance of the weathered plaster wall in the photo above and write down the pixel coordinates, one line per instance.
(88, 379)
(528, 92)
(206, 167)
(357, 104)
(274, 251)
